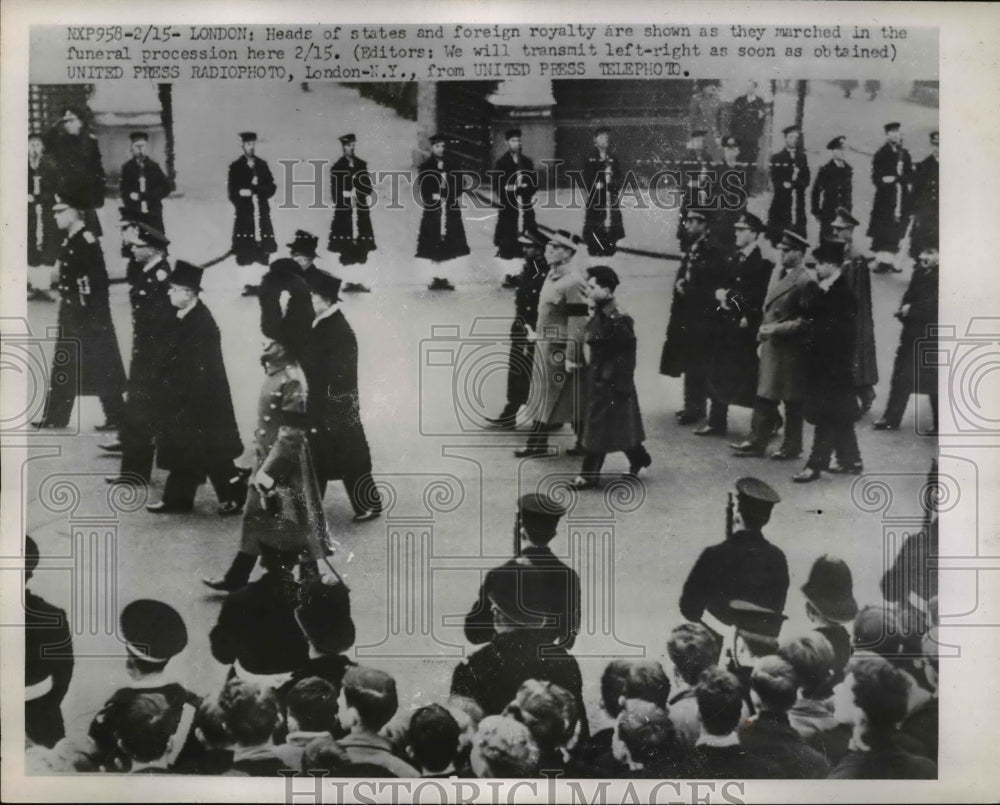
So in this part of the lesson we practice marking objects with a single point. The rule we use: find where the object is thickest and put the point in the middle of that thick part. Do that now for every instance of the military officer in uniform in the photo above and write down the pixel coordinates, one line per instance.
(441, 238)
(789, 180)
(729, 192)
(144, 184)
(514, 186)
(250, 186)
(351, 233)
(522, 349)
(43, 236)
(154, 633)
(547, 586)
(892, 175)
(152, 317)
(924, 232)
(88, 362)
(603, 178)
(77, 157)
(833, 188)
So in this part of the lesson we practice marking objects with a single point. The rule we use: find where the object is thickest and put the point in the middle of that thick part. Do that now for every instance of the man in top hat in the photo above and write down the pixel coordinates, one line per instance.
(197, 433)
(784, 337)
(43, 236)
(892, 175)
(351, 233)
(88, 362)
(250, 186)
(515, 183)
(829, 593)
(692, 324)
(286, 311)
(441, 237)
(48, 660)
(154, 633)
(547, 586)
(746, 121)
(522, 349)
(789, 180)
(152, 319)
(603, 178)
(77, 157)
(924, 232)
(833, 188)
(144, 185)
(732, 363)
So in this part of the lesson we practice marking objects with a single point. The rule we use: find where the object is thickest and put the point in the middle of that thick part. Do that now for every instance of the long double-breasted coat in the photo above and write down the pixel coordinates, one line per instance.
(924, 233)
(351, 233)
(197, 429)
(784, 336)
(833, 188)
(43, 235)
(514, 186)
(290, 516)
(556, 393)
(80, 170)
(789, 180)
(732, 374)
(603, 179)
(250, 185)
(144, 185)
(859, 279)
(612, 421)
(830, 391)
(441, 235)
(892, 175)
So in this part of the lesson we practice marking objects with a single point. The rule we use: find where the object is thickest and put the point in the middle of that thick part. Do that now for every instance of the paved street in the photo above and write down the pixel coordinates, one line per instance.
(457, 487)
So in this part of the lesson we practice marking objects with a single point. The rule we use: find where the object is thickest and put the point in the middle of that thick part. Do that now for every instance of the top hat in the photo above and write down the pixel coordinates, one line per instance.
(326, 285)
(324, 615)
(305, 243)
(836, 143)
(153, 631)
(830, 589)
(347, 139)
(187, 275)
(747, 220)
(540, 515)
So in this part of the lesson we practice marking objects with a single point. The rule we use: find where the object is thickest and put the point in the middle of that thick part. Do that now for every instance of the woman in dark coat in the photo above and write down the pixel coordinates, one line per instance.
(612, 420)
(831, 402)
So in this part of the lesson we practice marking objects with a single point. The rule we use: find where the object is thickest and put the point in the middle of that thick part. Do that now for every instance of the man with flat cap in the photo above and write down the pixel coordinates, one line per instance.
(77, 157)
(152, 318)
(197, 433)
(924, 232)
(833, 188)
(892, 175)
(441, 238)
(144, 185)
(515, 183)
(351, 233)
(603, 178)
(88, 362)
(547, 587)
(789, 180)
(783, 337)
(250, 185)
(154, 633)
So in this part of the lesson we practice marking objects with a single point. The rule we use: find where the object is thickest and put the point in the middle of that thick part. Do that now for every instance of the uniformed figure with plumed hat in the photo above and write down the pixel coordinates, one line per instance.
(833, 188)
(144, 185)
(789, 179)
(250, 186)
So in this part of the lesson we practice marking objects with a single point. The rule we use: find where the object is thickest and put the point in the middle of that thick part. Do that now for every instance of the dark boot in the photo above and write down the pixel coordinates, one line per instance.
(237, 576)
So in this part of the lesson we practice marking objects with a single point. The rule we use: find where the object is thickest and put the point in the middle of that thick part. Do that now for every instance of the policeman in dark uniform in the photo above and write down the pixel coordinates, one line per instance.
(152, 318)
(351, 233)
(250, 185)
(144, 185)
(154, 632)
(522, 349)
(789, 180)
(548, 587)
(833, 188)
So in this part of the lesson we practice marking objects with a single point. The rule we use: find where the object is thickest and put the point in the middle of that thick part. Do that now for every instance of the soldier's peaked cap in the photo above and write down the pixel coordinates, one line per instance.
(68, 197)
(438, 138)
(347, 139)
(756, 490)
(795, 240)
(153, 631)
(540, 514)
(532, 237)
(695, 212)
(836, 142)
(187, 275)
(748, 220)
(844, 218)
(754, 619)
(563, 238)
(149, 235)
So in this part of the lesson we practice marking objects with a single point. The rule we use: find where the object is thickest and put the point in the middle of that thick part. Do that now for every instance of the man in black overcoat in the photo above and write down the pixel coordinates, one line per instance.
(746, 121)
(197, 433)
(351, 233)
(603, 179)
(514, 184)
(729, 191)
(289, 323)
(144, 185)
(892, 175)
(250, 185)
(43, 236)
(77, 156)
(441, 237)
(694, 181)
(833, 188)
(789, 180)
(924, 232)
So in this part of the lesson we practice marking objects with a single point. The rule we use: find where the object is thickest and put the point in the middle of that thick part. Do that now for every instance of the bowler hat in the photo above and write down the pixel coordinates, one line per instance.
(153, 631)
(187, 275)
(326, 285)
(304, 243)
(324, 615)
(830, 589)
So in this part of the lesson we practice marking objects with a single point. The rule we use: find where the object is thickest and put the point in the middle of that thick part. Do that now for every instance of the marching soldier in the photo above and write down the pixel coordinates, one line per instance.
(832, 189)
(351, 234)
(43, 236)
(152, 318)
(522, 349)
(442, 234)
(250, 185)
(88, 361)
(143, 184)
(789, 180)
(603, 178)
(514, 185)
(892, 175)
(924, 233)
(77, 158)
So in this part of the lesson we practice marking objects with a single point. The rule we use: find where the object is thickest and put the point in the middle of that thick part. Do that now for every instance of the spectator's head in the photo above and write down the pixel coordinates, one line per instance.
(547, 710)
(811, 655)
(250, 712)
(644, 735)
(72, 120)
(503, 747)
(248, 140)
(929, 661)
(648, 681)
(324, 754)
(930, 257)
(367, 699)
(894, 133)
(720, 701)
(210, 724)
(139, 143)
(695, 223)
(876, 632)
(438, 143)
(36, 145)
(433, 738)
(312, 705)
(873, 696)
(602, 281)
(146, 728)
(792, 135)
(692, 648)
(773, 684)
(613, 686)
(467, 713)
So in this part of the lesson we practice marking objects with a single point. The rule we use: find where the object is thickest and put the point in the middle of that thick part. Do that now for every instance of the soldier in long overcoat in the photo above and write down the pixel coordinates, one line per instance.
(441, 236)
(924, 232)
(695, 183)
(77, 156)
(730, 190)
(514, 186)
(892, 175)
(833, 188)
(351, 188)
(250, 185)
(43, 235)
(603, 179)
(88, 362)
(789, 181)
(144, 185)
